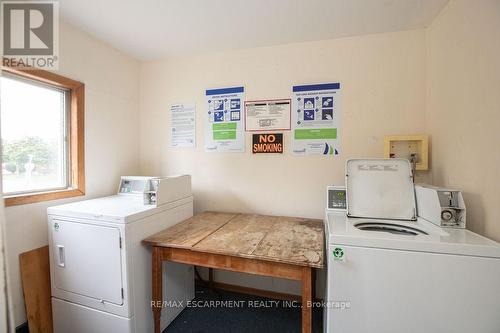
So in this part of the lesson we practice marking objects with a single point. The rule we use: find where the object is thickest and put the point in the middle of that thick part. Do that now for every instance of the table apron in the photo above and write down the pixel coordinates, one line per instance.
(232, 263)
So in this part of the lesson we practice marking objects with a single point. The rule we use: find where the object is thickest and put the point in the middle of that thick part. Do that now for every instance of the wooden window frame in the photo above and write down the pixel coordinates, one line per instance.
(76, 137)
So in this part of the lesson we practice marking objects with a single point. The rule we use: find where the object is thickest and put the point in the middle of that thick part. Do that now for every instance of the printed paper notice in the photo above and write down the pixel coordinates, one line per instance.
(182, 125)
(316, 119)
(267, 115)
(225, 131)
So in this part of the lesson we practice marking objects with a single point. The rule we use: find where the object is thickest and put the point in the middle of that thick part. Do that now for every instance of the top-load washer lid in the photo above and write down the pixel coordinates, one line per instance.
(380, 189)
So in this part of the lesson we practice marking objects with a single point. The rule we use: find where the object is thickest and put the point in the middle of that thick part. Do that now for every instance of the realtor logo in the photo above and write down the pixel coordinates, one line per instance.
(30, 34)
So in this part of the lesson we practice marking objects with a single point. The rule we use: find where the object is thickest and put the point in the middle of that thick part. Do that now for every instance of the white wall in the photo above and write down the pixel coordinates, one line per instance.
(382, 79)
(5, 314)
(463, 106)
(111, 147)
(383, 91)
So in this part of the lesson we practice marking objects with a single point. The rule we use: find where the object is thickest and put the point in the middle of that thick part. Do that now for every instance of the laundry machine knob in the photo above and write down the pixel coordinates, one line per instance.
(446, 215)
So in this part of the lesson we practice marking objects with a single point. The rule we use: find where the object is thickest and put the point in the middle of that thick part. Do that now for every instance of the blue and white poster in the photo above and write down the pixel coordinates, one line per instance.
(225, 130)
(316, 119)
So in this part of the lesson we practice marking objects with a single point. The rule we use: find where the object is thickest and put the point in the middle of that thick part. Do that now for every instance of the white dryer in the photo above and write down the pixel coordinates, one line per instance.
(100, 271)
(391, 272)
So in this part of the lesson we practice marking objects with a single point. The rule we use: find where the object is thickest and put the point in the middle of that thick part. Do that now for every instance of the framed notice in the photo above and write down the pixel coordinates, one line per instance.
(267, 115)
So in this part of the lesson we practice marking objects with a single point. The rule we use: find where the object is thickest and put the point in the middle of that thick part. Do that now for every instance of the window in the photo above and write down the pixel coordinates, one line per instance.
(34, 136)
(41, 117)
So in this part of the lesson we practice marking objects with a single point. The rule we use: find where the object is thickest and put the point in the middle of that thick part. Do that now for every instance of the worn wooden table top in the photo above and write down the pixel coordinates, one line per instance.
(292, 240)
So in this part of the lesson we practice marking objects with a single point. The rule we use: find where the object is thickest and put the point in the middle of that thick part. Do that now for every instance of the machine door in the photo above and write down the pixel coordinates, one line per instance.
(87, 260)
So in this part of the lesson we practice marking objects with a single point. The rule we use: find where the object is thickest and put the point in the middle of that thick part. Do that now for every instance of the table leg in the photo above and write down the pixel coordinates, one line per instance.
(306, 300)
(157, 288)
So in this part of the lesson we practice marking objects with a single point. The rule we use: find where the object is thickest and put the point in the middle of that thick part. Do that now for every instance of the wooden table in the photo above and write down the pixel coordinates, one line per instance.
(282, 247)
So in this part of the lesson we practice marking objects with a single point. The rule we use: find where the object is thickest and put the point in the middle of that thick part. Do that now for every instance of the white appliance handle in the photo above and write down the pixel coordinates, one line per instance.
(60, 256)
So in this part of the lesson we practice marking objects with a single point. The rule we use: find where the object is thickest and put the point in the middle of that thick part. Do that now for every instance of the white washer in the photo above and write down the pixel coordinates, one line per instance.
(392, 276)
(100, 271)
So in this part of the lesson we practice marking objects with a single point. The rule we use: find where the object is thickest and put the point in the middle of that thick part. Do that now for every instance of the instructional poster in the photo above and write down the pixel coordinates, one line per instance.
(267, 115)
(316, 119)
(182, 125)
(225, 131)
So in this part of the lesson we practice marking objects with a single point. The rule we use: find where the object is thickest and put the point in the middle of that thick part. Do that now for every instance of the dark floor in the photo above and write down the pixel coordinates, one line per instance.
(247, 314)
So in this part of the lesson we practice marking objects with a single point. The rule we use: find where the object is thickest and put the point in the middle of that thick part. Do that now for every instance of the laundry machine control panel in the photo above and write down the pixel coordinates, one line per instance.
(443, 207)
(336, 198)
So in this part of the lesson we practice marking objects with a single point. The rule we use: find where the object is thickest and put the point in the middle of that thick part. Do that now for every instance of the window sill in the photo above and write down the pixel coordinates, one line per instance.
(39, 197)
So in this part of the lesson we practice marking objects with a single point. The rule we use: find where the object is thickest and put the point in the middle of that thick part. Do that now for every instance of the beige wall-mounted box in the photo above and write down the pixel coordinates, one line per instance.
(404, 146)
